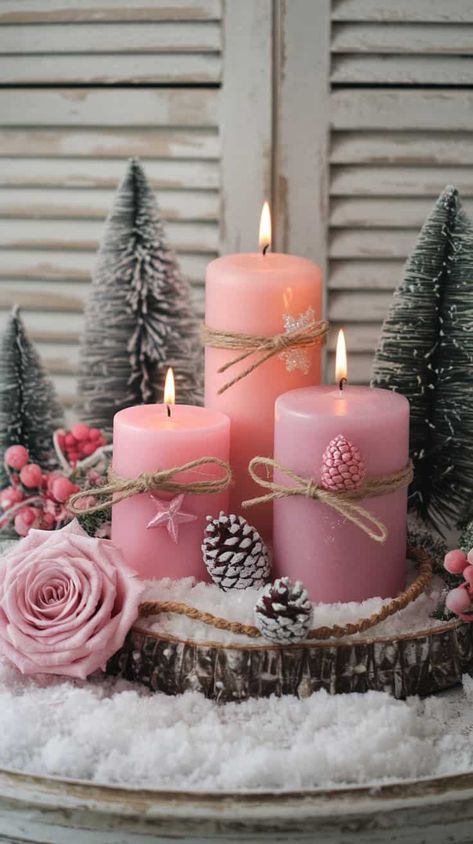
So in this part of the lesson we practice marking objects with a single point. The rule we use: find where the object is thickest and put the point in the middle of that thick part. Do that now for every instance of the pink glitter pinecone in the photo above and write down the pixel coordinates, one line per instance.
(343, 469)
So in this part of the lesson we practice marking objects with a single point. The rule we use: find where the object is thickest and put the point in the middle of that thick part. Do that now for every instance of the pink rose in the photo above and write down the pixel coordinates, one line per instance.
(67, 601)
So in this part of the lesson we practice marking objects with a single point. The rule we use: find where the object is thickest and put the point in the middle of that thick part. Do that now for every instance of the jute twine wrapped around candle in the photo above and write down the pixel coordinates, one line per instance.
(164, 480)
(263, 347)
(344, 503)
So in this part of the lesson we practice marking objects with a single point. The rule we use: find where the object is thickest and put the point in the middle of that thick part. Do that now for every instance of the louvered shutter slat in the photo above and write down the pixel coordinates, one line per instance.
(401, 128)
(63, 150)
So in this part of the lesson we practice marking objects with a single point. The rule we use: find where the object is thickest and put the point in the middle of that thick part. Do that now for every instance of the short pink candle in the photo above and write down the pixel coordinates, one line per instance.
(251, 294)
(145, 439)
(334, 558)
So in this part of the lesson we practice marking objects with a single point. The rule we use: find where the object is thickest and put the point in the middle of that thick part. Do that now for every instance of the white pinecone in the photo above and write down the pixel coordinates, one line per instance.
(283, 612)
(234, 553)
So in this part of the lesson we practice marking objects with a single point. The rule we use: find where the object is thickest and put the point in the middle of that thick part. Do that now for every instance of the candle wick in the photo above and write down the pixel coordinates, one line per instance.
(169, 411)
(341, 384)
(265, 248)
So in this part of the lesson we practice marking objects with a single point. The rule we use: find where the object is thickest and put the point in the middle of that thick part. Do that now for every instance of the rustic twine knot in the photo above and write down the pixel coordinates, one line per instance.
(263, 347)
(164, 480)
(344, 503)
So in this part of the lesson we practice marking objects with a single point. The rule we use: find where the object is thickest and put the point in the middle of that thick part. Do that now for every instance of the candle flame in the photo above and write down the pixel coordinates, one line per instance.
(169, 389)
(265, 227)
(341, 367)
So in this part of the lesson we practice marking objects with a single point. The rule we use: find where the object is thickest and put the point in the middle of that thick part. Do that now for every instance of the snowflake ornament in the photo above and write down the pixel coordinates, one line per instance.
(297, 358)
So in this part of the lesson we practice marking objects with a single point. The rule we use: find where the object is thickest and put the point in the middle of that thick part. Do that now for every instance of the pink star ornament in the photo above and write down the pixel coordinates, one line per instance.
(170, 515)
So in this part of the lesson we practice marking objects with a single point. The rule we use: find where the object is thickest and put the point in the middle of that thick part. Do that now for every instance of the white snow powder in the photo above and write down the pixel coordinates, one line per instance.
(112, 732)
(239, 605)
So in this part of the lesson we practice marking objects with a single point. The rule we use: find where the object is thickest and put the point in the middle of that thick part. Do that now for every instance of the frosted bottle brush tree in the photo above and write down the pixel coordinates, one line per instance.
(29, 408)
(426, 353)
(139, 316)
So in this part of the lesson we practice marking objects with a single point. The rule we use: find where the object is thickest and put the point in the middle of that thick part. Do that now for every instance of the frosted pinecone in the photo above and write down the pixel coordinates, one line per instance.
(343, 469)
(234, 553)
(284, 612)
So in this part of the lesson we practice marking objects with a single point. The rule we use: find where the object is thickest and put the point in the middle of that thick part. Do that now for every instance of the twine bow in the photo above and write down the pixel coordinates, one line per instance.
(163, 480)
(264, 347)
(344, 503)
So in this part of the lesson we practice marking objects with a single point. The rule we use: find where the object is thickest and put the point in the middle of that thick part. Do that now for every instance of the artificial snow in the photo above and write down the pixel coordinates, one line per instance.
(112, 732)
(109, 731)
(239, 605)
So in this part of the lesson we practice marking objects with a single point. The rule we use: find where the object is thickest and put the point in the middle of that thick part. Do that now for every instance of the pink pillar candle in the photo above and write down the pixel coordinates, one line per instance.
(145, 439)
(252, 294)
(335, 559)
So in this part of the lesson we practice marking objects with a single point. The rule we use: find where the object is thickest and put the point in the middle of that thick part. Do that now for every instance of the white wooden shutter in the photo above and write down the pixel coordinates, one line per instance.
(401, 123)
(84, 85)
(374, 117)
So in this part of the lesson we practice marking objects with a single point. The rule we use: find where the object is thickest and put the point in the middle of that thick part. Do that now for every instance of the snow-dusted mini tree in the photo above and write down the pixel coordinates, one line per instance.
(139, 315)
(426, 353)
(29, 408)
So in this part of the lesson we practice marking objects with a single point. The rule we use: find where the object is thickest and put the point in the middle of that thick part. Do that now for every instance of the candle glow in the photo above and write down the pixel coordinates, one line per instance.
(265, 227)
(341, 367)
(169, 389)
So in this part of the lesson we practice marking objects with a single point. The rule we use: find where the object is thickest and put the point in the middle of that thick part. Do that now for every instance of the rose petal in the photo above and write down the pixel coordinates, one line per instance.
(67, 602)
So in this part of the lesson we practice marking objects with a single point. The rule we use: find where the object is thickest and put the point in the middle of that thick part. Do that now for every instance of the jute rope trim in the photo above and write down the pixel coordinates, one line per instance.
(336, 631)
(263, 347)
(343, 502)
(164, 480)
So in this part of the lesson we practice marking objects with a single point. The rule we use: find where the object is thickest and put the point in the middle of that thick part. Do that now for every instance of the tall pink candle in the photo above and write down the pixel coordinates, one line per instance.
(312, 542)
(145, 439)
(251, 294)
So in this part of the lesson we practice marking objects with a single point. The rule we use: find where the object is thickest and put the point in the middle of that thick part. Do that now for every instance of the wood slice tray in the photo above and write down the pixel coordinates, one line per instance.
(417, 663)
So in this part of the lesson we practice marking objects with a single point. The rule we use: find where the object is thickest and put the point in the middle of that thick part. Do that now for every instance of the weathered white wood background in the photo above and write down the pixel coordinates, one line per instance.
(351, 115)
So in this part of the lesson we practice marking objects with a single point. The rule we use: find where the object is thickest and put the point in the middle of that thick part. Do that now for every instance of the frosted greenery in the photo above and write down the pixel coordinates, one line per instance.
(426, 353)
(29, 408)
(139, 315)
(466, 537)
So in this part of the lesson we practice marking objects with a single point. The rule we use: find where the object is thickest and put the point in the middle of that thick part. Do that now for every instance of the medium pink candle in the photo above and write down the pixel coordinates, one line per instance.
(159, 534)
(334, 558)
(255, 294)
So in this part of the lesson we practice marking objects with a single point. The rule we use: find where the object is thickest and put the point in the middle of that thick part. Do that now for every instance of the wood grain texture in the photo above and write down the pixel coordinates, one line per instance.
(422, 664)
(101, 38)
(48, 264)
(175, 205)
(39, 809)
(380, 212)
(363, 274)
(358, 306)
(301, 175)
(82, 11)
(52, 233)
(368, 243)
(395, 147)
(360, 338)
(84, 107)
(390, 181)
(63, 150)
(246, 122)
(104, 142)
(417, 38)
(105, 173)
(407, 11)
(131, 69)
(393, 109)
(395, 69)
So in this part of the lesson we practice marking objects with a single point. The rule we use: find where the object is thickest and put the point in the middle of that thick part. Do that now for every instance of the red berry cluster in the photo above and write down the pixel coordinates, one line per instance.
(80, 442)
(460, 599)
(34, 498)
